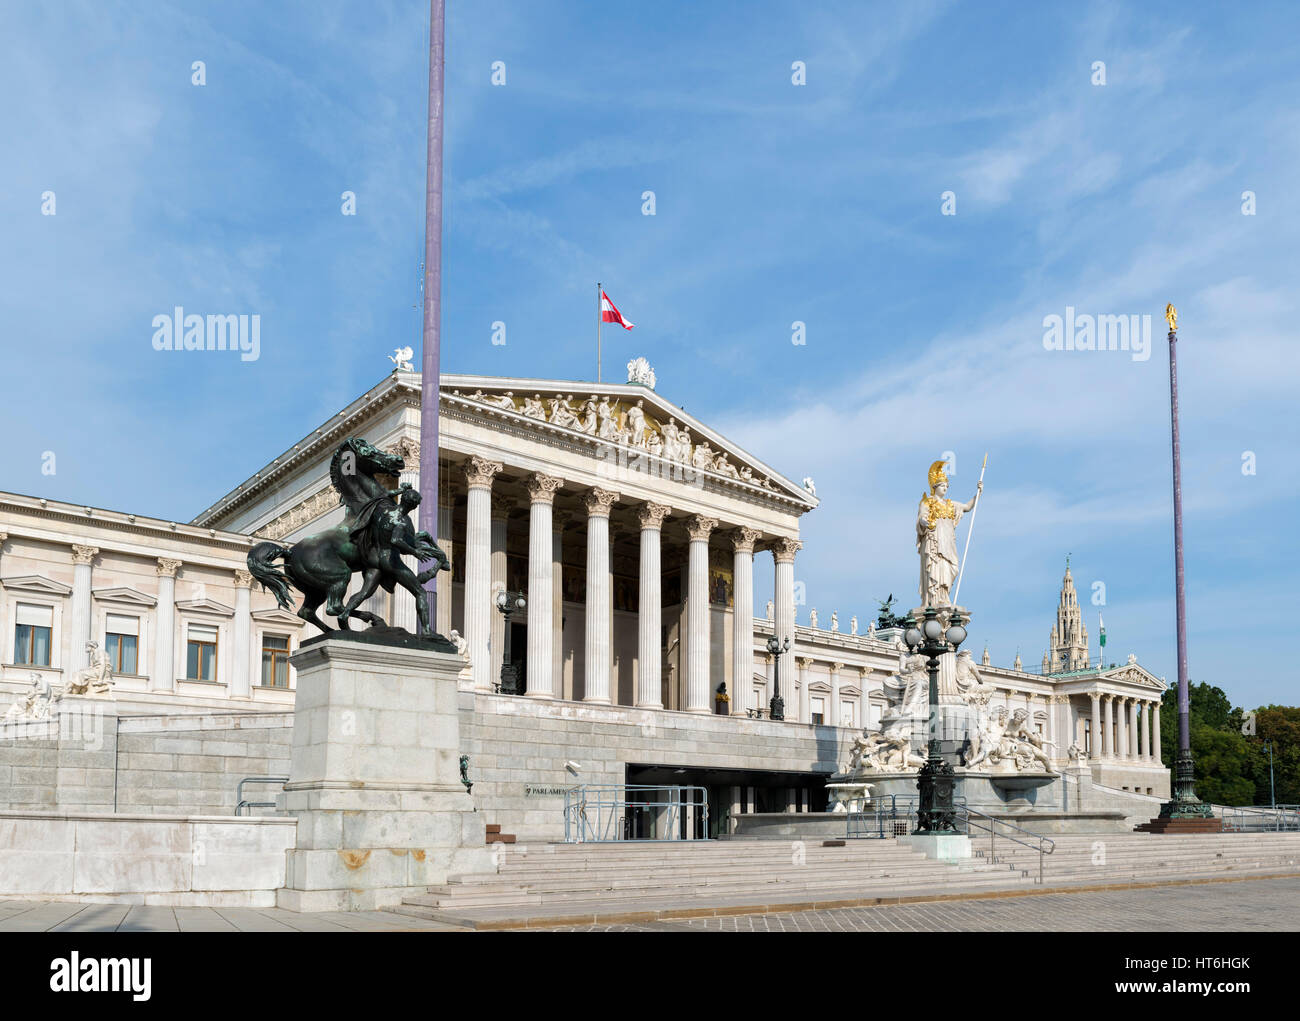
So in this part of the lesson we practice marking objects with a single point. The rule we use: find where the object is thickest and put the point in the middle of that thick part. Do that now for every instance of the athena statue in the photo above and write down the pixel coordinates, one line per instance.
(936, 538)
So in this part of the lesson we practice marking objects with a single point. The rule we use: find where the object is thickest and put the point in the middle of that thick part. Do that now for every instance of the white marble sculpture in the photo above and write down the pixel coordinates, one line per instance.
(853, 624)
(458, 640)
(812, 618)
(96, 680)
(809, 485)
(835, 621)
(37, 704)
(401, 358)
(534, 408)
(562, 412)
(639, 371)
(636, 425)
(936, 537)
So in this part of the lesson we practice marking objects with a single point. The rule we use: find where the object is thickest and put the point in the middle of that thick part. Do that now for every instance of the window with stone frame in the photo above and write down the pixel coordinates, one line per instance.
(33, 634)
(275, 661)
(201, 653)
(122, 643)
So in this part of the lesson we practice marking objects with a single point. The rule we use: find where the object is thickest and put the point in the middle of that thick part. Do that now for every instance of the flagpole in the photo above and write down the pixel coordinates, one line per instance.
(599, 310)
(431, 330)
(974, 510)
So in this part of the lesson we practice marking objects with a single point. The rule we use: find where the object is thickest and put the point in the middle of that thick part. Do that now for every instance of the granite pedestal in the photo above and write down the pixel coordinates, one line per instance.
(374, 779)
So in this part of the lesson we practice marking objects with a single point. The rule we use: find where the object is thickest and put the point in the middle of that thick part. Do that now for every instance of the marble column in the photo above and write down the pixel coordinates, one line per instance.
(599, 655)
(478, 569)
(79, 631)
(1108, 746)
(1095, 752)
(1156, 760)
(649, 684)
(4, 625)
(802, 665)
(1131, 749)
(241, 677)
(1121, 726)
(742, 616)
(541, 567)
(1143, 738)
(698, 529)
(402, 613)
(783, 551)
(501, 506)
(559, 519)
(1053, 701)
(164, 640)
(446, 527)
(837, 716)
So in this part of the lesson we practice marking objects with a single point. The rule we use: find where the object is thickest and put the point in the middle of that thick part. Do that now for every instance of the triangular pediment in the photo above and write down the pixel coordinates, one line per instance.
(278, 616)
(35, 583)
(1131, 673)
(628, 416)
(205, 606)
(124, 595)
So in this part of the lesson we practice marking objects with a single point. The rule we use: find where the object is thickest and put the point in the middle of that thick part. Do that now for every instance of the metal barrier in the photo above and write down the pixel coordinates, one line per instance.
(973, 816)
(241, 804)
(1261, 818)
(600, 813)
(897, 818)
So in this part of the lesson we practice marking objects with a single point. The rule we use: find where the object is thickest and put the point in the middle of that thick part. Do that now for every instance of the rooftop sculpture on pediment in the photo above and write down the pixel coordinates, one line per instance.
(625, 423)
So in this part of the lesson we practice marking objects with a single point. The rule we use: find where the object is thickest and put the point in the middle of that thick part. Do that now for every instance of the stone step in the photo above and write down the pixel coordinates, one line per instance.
(811, 889)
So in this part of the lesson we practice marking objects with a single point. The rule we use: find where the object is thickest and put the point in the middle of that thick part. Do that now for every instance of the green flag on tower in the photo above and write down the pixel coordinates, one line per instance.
(1101, 626)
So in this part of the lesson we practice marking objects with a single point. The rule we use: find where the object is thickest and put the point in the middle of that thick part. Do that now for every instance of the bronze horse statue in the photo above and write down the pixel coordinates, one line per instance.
(374, 534)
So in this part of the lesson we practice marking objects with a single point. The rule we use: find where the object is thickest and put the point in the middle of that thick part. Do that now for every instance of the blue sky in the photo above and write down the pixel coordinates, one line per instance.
(818, 203)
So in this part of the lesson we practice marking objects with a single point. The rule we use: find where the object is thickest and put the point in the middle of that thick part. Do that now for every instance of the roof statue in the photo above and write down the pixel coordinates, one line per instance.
(639, 371)
(401, 358)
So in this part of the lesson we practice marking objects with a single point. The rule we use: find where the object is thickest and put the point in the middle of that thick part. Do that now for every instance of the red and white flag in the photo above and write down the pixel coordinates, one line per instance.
(609, 314)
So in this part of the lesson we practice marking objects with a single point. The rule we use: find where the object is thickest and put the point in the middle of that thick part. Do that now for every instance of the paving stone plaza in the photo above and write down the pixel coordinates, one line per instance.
(1261, 905)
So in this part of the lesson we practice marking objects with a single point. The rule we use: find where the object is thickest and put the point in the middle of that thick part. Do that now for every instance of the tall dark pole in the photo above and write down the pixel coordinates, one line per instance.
(1185, 803)
(429, 357)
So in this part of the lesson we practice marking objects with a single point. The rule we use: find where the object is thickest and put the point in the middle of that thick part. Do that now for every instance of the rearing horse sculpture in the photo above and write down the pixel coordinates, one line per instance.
(374, 534)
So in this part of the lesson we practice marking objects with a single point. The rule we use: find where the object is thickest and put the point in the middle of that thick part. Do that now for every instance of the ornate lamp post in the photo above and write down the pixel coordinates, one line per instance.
(935, 781)
(776, 708)
(509, 603)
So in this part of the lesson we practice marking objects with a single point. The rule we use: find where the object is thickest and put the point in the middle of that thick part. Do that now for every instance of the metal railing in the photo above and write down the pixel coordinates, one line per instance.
(599, 813)
(1034, 841)
(896, 817)
(1261, 818)
(241, 804)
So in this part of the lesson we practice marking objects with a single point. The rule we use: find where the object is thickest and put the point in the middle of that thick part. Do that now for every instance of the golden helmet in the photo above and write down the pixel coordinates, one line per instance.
(937, 474)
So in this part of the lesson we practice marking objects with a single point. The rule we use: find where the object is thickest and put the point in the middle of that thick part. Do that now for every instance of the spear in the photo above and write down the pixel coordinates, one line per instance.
(974, 510)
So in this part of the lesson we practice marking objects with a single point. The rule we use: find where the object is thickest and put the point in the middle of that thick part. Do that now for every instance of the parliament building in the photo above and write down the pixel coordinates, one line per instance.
(633, 531)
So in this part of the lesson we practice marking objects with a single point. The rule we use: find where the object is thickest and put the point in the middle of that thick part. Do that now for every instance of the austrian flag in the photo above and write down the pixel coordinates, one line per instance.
(609, 314)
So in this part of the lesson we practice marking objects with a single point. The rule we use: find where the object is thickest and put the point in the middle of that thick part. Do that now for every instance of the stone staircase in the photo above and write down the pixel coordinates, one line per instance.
(559, 883)
(571, 884)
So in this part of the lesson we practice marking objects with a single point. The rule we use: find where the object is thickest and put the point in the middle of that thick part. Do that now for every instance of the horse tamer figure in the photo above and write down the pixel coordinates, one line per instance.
(374, 535)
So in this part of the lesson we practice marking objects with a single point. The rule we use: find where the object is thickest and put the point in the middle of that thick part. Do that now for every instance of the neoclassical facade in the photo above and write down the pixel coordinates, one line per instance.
(633, 529)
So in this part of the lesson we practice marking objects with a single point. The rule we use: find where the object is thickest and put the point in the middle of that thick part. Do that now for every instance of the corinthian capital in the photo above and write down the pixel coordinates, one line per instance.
(743, 539)
(479, 472)
(699, 528)
(784, 549)
(651, 515)
(598, 502)
(84, 554)
(541, 488)
(167, 567)
(407, 448)
(243, 579)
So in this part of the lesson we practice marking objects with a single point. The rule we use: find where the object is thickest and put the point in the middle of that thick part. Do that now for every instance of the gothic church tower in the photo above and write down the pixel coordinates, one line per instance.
(1068, 647)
